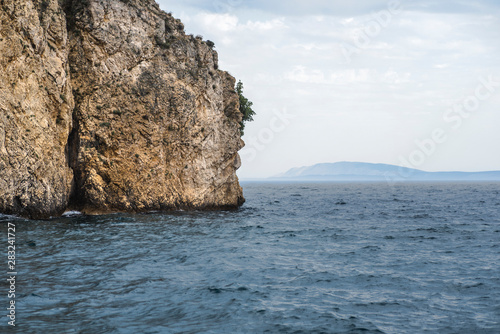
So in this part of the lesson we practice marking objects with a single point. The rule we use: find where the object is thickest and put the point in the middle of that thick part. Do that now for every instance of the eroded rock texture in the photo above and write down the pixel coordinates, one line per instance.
(36, 105)
(154, 122)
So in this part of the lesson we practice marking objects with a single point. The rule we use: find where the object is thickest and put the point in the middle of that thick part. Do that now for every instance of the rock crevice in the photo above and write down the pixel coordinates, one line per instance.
(109, 106)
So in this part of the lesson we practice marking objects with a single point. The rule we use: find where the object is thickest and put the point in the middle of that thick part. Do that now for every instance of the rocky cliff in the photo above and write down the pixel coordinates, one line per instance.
(107, 105)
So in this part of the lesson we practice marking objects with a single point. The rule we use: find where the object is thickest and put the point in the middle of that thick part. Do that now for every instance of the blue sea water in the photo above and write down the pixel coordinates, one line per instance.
(296, 258)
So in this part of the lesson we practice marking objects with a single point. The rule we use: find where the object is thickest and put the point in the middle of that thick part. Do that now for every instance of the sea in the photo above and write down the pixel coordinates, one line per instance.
(296, 258)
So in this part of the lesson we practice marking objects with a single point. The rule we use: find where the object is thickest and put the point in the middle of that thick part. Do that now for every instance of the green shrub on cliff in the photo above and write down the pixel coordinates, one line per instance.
(245, 107)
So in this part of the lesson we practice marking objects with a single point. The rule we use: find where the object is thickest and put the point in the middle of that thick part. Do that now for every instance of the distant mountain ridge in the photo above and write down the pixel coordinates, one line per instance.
(361, 171)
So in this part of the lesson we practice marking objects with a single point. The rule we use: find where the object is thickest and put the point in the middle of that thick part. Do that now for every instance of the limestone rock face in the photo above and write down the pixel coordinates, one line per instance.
(126, 107)
(36, 107)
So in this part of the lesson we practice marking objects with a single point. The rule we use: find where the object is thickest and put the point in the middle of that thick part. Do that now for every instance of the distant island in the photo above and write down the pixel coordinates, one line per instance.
(360, 171)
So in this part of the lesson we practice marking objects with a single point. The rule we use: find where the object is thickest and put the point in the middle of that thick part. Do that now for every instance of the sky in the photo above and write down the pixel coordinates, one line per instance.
(409, 83)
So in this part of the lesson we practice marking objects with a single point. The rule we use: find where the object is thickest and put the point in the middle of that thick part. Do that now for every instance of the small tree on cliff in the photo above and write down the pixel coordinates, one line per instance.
(245, 107)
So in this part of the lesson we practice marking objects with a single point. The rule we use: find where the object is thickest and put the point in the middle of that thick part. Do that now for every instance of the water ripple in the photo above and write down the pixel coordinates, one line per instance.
(297, 258)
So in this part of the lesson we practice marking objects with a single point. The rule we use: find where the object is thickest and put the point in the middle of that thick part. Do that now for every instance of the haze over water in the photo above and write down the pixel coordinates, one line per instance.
(297, 258)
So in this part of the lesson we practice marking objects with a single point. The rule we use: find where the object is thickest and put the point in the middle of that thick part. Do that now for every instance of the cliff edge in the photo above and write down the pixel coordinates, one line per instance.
(109, 106)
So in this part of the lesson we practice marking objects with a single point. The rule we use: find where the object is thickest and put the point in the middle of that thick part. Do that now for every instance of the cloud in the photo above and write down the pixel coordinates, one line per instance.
(230, 23)
(303, 74)
(453, 6)
(221, 22)
(289, 55)
(291, 7)
(265, 25)
(339, 8)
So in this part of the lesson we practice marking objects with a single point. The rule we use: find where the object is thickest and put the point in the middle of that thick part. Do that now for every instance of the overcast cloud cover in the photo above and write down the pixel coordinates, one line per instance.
(369, 81)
